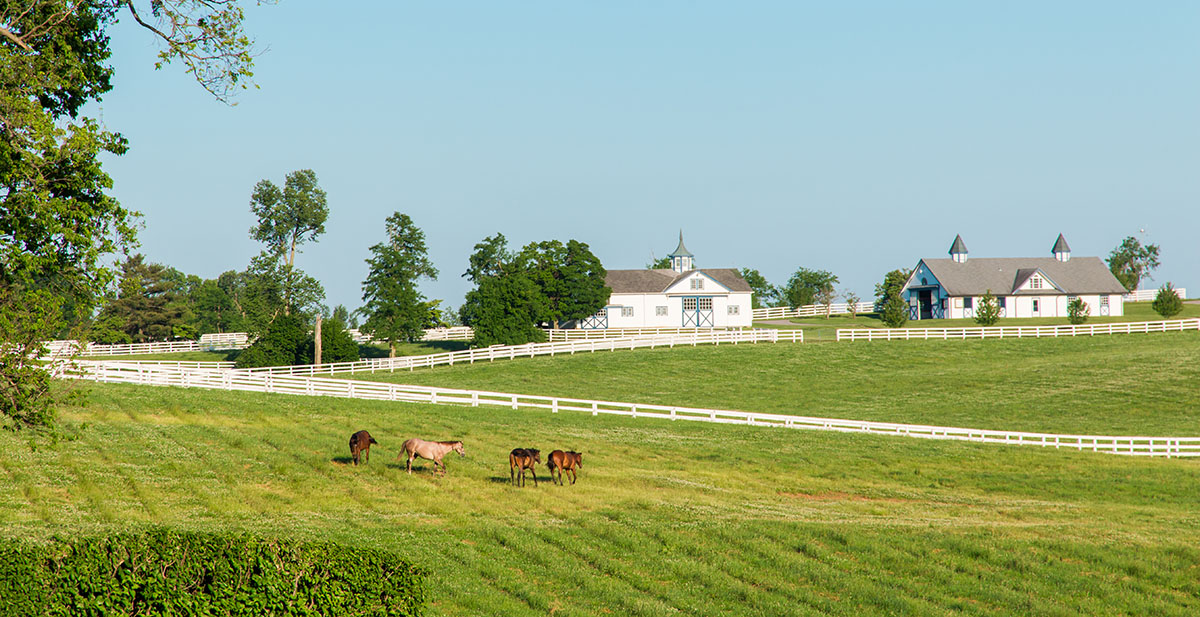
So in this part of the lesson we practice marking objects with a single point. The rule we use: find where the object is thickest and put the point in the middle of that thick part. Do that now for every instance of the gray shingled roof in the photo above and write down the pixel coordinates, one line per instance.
(657, 281)
(959, 246)
(1002, 275)
(1060, 245)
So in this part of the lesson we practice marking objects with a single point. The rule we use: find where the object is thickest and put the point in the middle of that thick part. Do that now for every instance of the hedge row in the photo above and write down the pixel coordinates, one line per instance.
(163, 572)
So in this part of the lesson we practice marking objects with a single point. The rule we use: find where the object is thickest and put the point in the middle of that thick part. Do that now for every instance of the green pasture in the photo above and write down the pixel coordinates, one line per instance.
(1124, 384)
(667, 517)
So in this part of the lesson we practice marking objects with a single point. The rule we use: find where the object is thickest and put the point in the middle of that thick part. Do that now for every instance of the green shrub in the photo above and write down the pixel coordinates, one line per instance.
(282, 345)
(988, 312)
(1167, 303)
(163, 572)
(1077, 311)
(336, 344)
(894, 312)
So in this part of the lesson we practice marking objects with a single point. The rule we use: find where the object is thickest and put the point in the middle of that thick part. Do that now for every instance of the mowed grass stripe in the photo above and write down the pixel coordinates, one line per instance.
(666, 517)
(1112, 385)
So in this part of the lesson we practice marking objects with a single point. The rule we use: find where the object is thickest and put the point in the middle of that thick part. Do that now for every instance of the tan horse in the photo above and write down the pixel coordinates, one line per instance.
(560, 460)
(360, 445)
(523, 458)
(432, 450)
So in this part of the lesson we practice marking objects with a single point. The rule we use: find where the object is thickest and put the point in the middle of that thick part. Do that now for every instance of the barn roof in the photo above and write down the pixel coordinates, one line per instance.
(661, 279)
(1003, 275)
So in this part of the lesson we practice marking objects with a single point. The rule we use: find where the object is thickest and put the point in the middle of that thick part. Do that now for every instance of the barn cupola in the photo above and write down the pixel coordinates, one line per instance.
(1061, 251)
(682, 260)
(958, 250)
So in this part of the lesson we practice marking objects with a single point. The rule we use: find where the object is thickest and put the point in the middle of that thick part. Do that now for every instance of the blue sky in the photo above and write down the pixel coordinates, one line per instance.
(855, 137)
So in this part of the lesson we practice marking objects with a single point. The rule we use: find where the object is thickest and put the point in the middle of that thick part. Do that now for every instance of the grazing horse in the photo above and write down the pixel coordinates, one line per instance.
(523, 458)
(432, 450)
(360, 443)
(560, 460)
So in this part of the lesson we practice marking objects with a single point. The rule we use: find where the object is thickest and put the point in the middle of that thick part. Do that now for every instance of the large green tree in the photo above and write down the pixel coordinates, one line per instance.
(765, 294)
(147, 305)
(394, 309)
(1131, 262)
(802, 288)
(288, 218)
(58, 225)
(569, 276)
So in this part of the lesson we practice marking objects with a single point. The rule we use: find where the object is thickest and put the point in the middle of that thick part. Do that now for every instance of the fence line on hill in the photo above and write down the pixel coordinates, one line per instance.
(159, 375)
(509, 352)
(1146, 295)
(905, 334)
(809, 310)
(556, 335)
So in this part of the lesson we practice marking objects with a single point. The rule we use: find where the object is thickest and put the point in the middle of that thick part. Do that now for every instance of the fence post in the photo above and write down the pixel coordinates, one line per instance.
(553, 405)
(595, 409)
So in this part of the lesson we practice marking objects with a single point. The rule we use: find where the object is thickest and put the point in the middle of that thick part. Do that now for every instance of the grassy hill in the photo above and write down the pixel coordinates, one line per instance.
(667, 518)
(1135, 384)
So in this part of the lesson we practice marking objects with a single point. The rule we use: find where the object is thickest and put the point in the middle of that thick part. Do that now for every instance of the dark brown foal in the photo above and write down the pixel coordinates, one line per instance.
(522, 459)
(360, 445)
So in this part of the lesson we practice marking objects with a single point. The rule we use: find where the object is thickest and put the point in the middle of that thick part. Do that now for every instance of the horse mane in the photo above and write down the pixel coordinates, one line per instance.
(449, 443)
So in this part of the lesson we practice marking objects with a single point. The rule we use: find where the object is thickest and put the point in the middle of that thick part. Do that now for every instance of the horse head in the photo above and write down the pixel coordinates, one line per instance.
(458, 447)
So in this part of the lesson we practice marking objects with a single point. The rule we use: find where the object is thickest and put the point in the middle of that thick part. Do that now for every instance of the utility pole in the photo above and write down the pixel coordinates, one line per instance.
(317, 338)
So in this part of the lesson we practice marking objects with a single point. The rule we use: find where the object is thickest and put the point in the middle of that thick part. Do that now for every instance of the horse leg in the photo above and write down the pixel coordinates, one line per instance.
(409, 465)
(572, 476)
(367, 455)
(512, 475)
(534, 472)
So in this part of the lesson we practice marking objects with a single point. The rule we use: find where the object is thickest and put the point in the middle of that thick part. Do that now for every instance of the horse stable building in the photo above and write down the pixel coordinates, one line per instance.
(677, 297)
(1023, 286)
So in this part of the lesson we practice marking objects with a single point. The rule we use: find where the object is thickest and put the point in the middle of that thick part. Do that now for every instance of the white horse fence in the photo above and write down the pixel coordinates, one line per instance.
(161, 375)
(1147, 295)
(809, 310)
(933, 334)
(510, 352)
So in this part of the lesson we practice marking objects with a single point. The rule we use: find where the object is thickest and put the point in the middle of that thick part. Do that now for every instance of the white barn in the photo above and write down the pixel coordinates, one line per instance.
(677, 297)
(1023, 286)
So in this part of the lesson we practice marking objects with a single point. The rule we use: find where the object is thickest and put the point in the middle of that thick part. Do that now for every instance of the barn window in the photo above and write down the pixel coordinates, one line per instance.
(1035, 306)
(1104, 301)
(689, 304)
(626, 311)
(968, 302)
(1035, 283)
(705, 304)
(1002, 301)
(660, 311)
(697, 283)
(734, 309)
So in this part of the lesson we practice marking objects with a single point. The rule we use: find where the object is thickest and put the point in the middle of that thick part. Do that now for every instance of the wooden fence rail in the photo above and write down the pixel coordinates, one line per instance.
(907, 334)
(161, 375)
(490, 354)
(554, 335)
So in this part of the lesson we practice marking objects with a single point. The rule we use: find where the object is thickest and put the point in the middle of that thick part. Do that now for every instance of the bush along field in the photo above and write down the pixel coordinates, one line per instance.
(666, 518)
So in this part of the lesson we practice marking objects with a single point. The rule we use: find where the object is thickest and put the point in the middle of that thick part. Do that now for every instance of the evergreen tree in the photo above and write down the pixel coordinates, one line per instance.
(394, 309)
(894, 313)
(1167, 302)
(988, 312)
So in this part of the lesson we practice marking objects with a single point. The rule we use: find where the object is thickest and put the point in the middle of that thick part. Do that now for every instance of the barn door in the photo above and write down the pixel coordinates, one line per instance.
(697, 312)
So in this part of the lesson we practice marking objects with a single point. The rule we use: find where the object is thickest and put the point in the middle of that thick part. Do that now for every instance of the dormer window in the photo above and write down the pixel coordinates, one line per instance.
(697, 283)
(1035, 283)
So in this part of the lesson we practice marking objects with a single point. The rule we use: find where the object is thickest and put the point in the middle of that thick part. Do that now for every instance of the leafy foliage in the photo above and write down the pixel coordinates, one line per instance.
(765, 294)
(289, 218)
(1167, 301)
(569, 276)
(546, 282)
(395, 310)
(1130, 262)
(988, 312)
(894, 313)
(147, 305)
(283, 344)
(805, 284)
(662, 263)
(851, 299)
(163, 572)
(1077, 311)
(893, 282)
(336, 344)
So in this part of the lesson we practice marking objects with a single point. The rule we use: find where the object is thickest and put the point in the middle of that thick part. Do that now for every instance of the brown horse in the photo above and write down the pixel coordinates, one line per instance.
(523, 458)
(560, 460)
(360, 444)
(432, 450)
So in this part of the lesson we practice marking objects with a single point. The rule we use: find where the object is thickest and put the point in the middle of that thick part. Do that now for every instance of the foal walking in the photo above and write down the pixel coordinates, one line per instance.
(560, 460)
(432, 450)
(360, 444)
(523, 458)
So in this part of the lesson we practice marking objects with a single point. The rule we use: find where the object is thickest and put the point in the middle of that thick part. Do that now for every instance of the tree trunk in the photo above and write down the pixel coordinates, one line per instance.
(391, 349)
(317, 353)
